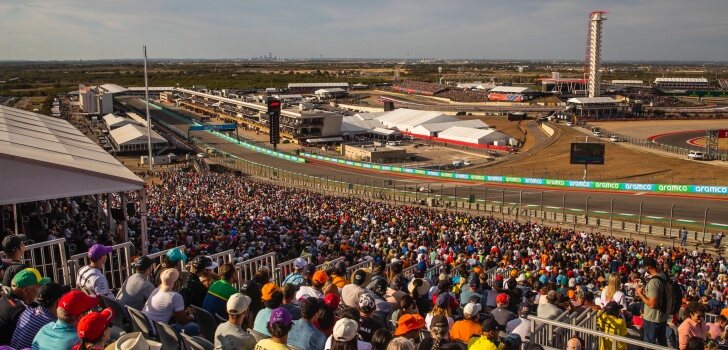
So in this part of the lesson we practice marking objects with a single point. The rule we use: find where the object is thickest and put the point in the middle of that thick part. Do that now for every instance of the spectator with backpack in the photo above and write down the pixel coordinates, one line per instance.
(657, 307)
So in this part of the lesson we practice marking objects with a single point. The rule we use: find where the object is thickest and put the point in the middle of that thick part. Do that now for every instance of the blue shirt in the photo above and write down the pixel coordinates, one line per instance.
(261, 321)
(305, 336)
(56, 336)
(467, 293)
(29, 323)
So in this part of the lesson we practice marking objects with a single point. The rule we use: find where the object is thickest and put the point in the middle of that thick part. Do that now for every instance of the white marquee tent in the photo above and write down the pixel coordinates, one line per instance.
(472, 135)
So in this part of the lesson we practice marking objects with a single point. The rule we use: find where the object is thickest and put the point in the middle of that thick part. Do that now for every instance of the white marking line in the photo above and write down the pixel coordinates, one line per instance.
(654, 217)
(683, 220)
(599, 211)
(717, 224)
(553, 207)
(626, 214)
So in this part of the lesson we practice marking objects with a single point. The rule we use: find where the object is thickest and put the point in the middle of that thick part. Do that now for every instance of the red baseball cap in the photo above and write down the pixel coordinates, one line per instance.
(92, 326)
(77, 302)
(502, 298)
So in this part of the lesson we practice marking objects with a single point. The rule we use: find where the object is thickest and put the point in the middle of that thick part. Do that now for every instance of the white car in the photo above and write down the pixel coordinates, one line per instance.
(614, 138)
(696, 155)
(597, 133)
(569, 124)
(466, 163)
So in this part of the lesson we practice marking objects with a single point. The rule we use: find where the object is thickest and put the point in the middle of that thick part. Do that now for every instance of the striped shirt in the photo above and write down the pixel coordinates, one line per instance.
(93, 281)
(30, 322)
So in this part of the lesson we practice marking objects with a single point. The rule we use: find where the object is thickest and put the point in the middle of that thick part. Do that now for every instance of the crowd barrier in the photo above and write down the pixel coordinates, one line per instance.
(222, 258)
(323, 265)
(50, 259)
(117, 268)
(282, 270)
(157, 257)
(554, 334)
(596, 185)
(248, 268)
(367, 263)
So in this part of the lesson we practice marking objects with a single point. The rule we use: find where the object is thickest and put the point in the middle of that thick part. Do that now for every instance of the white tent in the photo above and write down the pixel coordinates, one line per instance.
(407, 119)
(433, 129)
(134, 137)
(355, 125)
(113, 121)
(472, 135)
(43, 157)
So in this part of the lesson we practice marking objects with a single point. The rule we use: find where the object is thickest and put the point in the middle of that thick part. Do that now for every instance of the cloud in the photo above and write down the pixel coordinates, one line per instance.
(520, 29)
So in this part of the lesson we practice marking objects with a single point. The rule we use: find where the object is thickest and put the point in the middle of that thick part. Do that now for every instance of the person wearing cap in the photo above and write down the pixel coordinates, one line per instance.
(469, 326)
(25, 287)
(318, 281)
(63, 333)
(409, 326)
(611, 322)
(368, 324)
(230, 335)
(511, 342)
(471, 290)
(520, 326)
(94, 330)
(166, 306)
(135, 291)
(272, 298)
(173, 259)
(439, 338)
(655, 317)
(378, 273)
(443, 307)
(134, 341)
(350, 293)
(296, 277)
(217, 295)
(14, 249)
(304, 335)
(338, 275)
(278, 326)
(308, 273)
(383, 307)
(489, 340)
(501, 314)
(32, 319)
(90, 278)
(344, 336)
(193, 291)
(290, 302)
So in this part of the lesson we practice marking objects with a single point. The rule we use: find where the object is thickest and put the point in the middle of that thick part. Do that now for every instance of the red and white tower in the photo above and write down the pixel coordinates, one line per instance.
(593, 59)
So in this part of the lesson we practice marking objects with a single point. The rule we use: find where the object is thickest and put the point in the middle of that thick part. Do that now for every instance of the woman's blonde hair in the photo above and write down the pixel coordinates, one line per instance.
(614, 285)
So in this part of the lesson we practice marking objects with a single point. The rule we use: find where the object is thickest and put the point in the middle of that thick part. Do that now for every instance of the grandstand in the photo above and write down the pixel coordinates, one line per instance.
(419, 88)
(309, 88)
(511, 94)
(681, 83)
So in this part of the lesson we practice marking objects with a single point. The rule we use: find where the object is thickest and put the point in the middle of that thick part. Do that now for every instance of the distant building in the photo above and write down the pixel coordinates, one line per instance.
(329, 93)
(682, 83)
(309, 88)
(511, 94)
(87, 99)
(596, 107)
(628, 82)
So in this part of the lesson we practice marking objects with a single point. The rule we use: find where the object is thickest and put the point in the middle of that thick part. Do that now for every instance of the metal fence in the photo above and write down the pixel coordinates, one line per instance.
(157, 257)
(222, 258)
(50, 259)
(248, 268)
(117, 268)
(554, 334)
(367, 263)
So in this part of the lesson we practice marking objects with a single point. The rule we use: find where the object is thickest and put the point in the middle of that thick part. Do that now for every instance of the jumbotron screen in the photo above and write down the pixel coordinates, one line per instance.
(587, 153)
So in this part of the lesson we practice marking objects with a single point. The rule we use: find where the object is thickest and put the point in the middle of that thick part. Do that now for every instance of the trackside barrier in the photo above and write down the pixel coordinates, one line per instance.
(117, 268)
(550, 326)
(222, 258)
(248, 268)
(157, 257)
(367, 263)
(598, 185)
(50, 259)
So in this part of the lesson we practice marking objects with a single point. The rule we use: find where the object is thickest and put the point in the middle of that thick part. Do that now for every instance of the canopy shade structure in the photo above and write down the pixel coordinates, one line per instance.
(43, 158)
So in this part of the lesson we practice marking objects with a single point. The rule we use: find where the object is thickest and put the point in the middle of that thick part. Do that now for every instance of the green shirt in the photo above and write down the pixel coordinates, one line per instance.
(222, 289)
(654, 289)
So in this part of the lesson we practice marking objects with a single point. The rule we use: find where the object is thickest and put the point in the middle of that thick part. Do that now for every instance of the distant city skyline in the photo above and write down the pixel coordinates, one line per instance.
(636, 30)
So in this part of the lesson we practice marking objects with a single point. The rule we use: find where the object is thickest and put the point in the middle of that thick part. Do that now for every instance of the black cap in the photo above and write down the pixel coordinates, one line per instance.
(490, 324)
(142, 263)
(50, 293)
(380, 286)
(439, 321)
(380, 265)
(474, 280)
(310, 269)
(12, 243)
(201, 262)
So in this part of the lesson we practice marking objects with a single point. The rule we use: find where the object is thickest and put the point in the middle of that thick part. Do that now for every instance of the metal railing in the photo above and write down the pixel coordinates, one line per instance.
(543, 335)
(222, 258)
(157, 257)
(247, 269)
(367, 263)
(329, 262)
(50, 259)
(117, 268)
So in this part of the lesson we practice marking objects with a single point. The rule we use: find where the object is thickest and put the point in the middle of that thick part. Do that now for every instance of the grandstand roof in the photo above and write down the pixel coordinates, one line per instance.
(591, 100)
(357, 125)
(329, 90)
(112, 88)
(112, 120)
(512, 90)
(321, 85)
(635, 82)
(43, 157)
(134, 134)
(151, 88)
(681, 80)
(408, 119)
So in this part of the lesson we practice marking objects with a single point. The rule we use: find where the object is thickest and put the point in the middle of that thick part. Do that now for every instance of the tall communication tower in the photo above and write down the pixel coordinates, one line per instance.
(593, 58)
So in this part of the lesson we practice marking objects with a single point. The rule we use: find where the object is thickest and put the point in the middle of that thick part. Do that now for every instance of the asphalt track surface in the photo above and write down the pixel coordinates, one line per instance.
(680, 139)
(688, 209)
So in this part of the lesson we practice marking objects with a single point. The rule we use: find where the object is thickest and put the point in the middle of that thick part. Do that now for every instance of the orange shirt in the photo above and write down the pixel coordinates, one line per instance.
(464, 329)
(340, 282)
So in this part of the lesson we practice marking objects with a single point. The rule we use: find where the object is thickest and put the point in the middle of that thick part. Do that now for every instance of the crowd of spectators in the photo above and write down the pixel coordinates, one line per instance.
(657, 293)
(464, 95)
(419, 87)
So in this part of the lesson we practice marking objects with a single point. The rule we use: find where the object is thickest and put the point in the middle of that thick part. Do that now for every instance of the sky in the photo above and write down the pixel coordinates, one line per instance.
(650, 30)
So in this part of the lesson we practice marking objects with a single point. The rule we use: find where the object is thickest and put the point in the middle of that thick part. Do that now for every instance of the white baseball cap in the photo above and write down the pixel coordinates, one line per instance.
(300, 263)
(472, 309)
(238, 303)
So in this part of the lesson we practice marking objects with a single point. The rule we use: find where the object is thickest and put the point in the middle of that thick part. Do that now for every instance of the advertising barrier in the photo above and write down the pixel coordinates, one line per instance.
(594, 185)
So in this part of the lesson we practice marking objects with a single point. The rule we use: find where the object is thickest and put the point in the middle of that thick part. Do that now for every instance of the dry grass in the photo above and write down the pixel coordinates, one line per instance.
(621, 164)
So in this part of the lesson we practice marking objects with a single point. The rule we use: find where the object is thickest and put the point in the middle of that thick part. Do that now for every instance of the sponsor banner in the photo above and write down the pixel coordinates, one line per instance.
(594, 185)
(257, 148)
